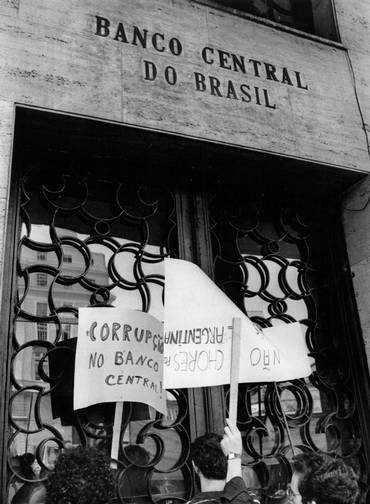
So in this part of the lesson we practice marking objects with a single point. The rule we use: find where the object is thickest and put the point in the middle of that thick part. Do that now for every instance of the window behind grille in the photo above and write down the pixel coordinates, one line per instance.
(306, 15)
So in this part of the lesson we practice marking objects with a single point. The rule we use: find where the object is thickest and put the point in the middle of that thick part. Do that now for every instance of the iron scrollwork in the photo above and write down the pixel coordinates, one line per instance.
(270, 260)
(89, 240)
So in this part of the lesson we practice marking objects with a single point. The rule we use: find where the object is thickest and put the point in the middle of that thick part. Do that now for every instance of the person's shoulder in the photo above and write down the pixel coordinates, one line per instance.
(206, 500)
(253, 498)
(236, 491)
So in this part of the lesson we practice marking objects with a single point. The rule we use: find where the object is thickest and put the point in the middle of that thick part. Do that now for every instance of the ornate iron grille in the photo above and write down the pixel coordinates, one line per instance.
(92, 237)
(272, 260)
(89, 237)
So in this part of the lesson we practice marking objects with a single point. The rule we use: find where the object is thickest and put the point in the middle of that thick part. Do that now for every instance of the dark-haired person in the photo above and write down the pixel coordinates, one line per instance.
(217, 462)
(29, 492)
(133, 483)
(81, 476)
(322, 480)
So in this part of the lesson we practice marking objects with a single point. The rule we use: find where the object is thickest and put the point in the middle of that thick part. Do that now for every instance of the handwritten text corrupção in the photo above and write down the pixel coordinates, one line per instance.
(117, 331)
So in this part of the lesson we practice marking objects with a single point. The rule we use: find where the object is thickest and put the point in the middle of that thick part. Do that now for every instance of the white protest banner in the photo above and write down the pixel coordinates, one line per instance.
(119, 357)
(281, 355)
(198, 330)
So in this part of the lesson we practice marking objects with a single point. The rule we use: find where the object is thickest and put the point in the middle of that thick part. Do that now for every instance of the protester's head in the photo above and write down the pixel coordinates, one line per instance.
(24, 465)
(322, 480)
(307, 462)
(208, 457)
(81, 476)
(303, 464)
(133, 482)
(137, 454)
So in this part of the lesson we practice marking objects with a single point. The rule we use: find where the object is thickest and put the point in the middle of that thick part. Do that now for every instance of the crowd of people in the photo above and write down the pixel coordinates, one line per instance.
(317, 479)
(84, 476)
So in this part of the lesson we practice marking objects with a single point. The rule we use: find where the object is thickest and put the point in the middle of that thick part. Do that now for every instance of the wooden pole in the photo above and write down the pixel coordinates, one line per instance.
(285, 420)
(116, 434)
(234, 370)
